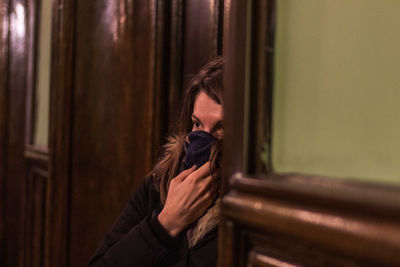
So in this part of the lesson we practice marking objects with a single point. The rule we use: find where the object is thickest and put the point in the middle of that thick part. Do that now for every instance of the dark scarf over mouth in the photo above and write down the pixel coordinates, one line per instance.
(197, 149)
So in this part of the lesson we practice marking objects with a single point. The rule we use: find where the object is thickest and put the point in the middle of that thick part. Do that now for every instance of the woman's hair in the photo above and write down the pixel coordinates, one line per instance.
(209, 81)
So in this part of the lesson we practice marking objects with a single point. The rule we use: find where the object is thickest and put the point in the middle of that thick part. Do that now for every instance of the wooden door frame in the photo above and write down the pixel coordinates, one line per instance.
(62, 77)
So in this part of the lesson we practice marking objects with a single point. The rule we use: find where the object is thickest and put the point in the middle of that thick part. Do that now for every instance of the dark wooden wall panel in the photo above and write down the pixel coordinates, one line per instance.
(175, 56)
(36, 209)
(116, 84)
(194, 37)
(63, 25)
(35, 222)
(4, 7)
(202, 24)
(112, 115)
(15, 182)
(234, 82)
(129, 56)
(161, 38)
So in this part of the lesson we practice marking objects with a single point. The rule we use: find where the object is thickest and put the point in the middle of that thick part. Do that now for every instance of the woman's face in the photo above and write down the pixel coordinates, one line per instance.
(207, 116)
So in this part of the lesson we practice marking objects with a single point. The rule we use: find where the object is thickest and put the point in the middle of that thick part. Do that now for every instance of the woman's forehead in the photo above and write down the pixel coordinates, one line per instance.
(205, 105)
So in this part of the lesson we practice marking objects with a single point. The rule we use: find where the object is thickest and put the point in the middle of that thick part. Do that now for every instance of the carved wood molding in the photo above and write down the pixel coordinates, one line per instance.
(257, 259)
(37, 155)
(360, 197)
(344, 227)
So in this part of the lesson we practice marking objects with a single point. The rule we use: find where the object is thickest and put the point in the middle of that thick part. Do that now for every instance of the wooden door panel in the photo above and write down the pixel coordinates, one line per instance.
(35, 222)
(123, 59)
(117, 71)
(13, 94)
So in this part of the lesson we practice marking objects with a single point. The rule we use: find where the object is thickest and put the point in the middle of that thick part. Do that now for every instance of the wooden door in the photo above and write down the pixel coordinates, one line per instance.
(272, 217)
(118, 69)
(119, 72)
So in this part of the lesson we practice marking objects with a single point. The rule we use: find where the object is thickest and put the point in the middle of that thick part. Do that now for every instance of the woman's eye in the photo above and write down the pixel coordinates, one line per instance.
(196, 124)
(219, 133)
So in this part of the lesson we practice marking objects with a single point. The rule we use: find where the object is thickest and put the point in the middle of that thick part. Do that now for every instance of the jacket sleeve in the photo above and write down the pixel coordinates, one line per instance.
(136, 238)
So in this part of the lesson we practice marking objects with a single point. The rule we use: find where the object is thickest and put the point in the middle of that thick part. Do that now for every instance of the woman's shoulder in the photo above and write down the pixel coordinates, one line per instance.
(145, 197)
(148, 186)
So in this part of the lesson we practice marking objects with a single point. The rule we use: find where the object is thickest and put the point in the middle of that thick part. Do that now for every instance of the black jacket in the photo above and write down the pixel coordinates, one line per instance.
(138, 239)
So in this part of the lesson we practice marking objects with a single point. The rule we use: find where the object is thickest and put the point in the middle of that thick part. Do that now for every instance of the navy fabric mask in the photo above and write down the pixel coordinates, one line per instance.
(198, 149)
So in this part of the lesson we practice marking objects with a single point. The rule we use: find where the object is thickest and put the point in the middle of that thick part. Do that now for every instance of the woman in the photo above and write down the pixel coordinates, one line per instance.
(171, 219)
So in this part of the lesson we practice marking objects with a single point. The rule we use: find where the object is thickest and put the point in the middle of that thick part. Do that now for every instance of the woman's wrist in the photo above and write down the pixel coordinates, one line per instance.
(169, 225)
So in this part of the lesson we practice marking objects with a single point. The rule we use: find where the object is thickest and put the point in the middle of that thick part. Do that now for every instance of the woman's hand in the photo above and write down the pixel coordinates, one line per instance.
(189, 195)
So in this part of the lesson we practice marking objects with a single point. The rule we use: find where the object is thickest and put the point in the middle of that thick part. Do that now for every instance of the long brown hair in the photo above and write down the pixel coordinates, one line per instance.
(209, 81)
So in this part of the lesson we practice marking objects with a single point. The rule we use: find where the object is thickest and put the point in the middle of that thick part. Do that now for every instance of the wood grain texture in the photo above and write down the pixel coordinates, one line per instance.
(278, 249)
(4, 38)
(60, 125)
(376, 200)
(116, 84)
(347, 227)
(260, 69)
(200, 38)
(195, 38)
(112, 115)
(38, 155)
(116, 87)
(35, 220)
(36, 200)
(226, 235)
(257, 259)
(33, 10)
(234, 84)
(160, 61)
(16, 172)
(287, 219)
(175, 60)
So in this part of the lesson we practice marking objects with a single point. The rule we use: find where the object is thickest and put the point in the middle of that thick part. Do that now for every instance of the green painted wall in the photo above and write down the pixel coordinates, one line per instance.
(337, 89)
(41, 133)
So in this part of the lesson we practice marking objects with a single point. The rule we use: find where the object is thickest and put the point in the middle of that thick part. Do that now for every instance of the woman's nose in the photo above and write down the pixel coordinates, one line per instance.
(207, 129)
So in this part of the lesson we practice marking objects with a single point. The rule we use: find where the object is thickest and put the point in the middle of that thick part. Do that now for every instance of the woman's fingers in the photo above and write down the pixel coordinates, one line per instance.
(202, 172)
(204, 200)
(205, 187)
(195, 174)
(205, 184)
(184, 174)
